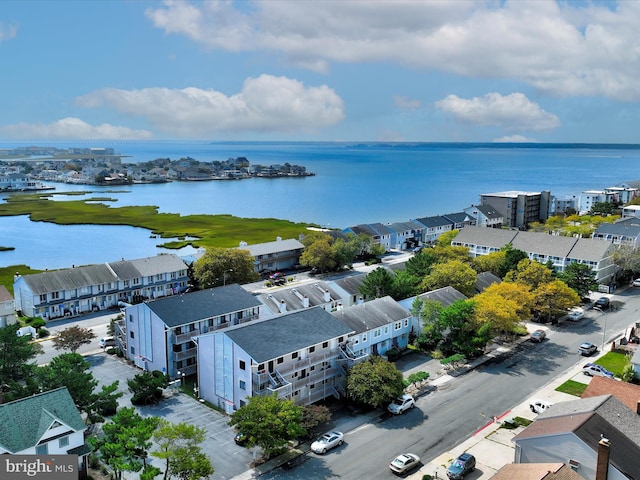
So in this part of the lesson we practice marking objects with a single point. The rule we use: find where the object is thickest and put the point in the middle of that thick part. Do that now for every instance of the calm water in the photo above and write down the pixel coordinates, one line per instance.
(354, 183)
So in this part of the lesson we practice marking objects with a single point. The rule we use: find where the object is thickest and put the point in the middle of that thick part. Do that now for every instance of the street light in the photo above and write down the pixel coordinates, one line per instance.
(224, 276)
(604, 329)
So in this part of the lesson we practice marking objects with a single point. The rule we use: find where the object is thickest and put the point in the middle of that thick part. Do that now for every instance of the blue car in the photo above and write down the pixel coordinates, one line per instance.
(462, 465)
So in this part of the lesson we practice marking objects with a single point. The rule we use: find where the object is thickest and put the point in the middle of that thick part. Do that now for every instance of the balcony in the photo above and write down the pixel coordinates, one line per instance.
(189, 353)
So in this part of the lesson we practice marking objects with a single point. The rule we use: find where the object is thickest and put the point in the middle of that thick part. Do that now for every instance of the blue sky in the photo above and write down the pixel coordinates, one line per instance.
(342, 70)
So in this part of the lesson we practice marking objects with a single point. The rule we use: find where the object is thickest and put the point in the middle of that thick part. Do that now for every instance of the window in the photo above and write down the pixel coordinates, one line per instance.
(132, 334)
(63, 441)
(406, 322)
(133, 350)
(243, 385)
(294, 355)
(376, 333)
(42, 449)
(55, 295)
(243, 365)
(325, 344)
(43, 297)
(312, 349)
(131, 318)
(386, 329)
(397, 325)
(364, 337)
(280, 360)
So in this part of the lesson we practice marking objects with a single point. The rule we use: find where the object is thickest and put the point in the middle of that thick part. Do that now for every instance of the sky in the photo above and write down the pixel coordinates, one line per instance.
(315, 70)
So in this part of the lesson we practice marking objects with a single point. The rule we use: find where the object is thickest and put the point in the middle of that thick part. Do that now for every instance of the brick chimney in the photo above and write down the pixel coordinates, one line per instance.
(602, 465)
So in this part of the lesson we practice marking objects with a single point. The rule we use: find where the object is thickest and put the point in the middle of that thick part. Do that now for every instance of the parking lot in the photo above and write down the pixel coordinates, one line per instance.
(227, 458)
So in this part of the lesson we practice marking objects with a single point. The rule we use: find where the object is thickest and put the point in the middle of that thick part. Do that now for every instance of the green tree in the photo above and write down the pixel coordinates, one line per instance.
(313, 416)
(268, 422)
(512, 256)
(378, 283)
(500, 312)
(554, 298)
(404, 285)
(454, 273)
(603, 208)
(447, 237)
(493, 262)
(465, 335)
(531, 273)
(72, 338)
(179, 448)
(428, 311)
(320, 255)
(146, 387)
(125, 441)
(345, 252)
(222, 266)
(16, 354)
(374, 382)
(71, 370)
(627, 259)
(580, 277)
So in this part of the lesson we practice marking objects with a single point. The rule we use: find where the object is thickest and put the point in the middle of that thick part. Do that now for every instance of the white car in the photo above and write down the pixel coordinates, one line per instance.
(401, 404)
(636, 282)
(593, 369)
(539, 406)
(327, 441)
(405, 462)
(575, 314)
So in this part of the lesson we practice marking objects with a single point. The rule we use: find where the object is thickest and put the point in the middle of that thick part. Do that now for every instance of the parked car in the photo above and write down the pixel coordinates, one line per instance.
(240, 439)
(595, 370)
(575, 314)
(401, 404)
(405, 462)
(587, 349)
(107, 342)
(602, 303)
(327, 441)
(538, 335)
(539, 406)
(636, 282)
(462, 465)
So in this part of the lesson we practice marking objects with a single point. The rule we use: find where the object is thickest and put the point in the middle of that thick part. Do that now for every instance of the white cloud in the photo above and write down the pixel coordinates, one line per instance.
(515, 139)
(564, 49)
(406, 103)
(265, 104)
(8, 31)
(72, 128)
(512, 112)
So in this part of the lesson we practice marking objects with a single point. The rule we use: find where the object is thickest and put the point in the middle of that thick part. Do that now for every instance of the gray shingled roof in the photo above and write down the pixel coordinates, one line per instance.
(486, 279)
(158, 264)
(26, 420)
(549, 245)
(490, 237)
(69, 278)
(457, 217)
(627, 229)
(351, 284)
(436, 221)
(273, 247)
(446, 296)
(591, 249)
(381, 229)
(292, 296)
(275, 337)
(403, 227)
(588, 419)
(488, 211)
(191, 307)
(362, 228)
(371, 315)
(5, 296)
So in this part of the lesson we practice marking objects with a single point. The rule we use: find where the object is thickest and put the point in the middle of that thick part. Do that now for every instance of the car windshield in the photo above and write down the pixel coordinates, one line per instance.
(324, 439)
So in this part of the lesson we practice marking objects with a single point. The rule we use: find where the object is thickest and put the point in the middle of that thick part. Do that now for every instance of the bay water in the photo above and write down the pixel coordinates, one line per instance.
(354, 183)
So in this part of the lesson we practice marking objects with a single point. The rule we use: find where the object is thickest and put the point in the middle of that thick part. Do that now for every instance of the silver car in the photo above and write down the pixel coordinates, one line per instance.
(405, 462)
(327, 441)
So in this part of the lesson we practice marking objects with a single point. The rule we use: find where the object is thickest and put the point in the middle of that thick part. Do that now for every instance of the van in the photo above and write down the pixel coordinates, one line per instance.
(107, 342)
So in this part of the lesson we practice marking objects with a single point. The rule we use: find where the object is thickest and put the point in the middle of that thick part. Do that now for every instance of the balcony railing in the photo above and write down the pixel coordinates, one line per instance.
(189, 353)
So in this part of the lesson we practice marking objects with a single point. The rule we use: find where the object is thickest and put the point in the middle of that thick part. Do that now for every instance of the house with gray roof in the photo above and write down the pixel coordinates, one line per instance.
(405, 235)
(159, 334)
(631, 211)
(434, 227)
(290, 299)
(445, 296)
(295, 356)
(379, 233)
(623, 232)
(572, 432)
(348, 289)
(459, 219)
(274, 256)
(484, 280)
(7, 308)
(77, 290)
(378, 325)
(560, 251)
(47, 423)
(485, 216)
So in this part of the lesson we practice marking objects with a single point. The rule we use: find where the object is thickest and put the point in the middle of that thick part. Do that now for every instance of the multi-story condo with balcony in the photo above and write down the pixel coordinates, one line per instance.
(77, 290)
(518, 208)
(273, 256)
(159, 334)
(298, 356)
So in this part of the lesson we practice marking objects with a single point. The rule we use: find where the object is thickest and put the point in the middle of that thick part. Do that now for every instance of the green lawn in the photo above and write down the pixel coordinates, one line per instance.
(572, 388)
(613, 361)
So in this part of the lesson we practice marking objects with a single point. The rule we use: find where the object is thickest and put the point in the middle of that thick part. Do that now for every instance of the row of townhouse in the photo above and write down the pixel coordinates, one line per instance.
(77, 290)
(242, 345)
(625, 231)
(426, 230)
(560, 251)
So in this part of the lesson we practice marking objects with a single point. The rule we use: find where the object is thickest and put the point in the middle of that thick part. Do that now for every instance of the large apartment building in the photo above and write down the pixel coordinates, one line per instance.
(518, 208)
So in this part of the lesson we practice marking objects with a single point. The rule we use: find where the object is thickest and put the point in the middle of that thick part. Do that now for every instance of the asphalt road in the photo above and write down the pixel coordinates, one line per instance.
(464, 405)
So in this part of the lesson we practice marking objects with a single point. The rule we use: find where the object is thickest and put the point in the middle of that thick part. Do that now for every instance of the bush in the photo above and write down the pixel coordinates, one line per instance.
(36, 322)
(43, 333)
(393, 354)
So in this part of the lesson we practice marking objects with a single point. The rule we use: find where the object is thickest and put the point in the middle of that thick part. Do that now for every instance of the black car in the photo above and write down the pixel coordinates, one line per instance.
(462, 465)
(240, 439)
(602, 303)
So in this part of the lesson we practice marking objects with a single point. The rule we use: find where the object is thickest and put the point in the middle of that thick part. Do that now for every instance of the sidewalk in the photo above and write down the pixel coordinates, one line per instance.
(491, 444)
